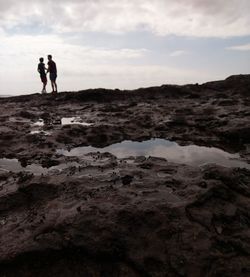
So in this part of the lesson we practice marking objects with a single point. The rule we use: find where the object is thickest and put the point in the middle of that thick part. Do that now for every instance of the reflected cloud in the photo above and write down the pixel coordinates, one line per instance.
(192, 154)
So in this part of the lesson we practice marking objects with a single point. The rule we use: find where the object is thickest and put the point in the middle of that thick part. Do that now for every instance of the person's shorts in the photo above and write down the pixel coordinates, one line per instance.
(43, 78)
(52, 77)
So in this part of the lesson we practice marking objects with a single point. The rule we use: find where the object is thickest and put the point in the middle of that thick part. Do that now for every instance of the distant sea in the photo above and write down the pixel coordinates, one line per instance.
(4, 96)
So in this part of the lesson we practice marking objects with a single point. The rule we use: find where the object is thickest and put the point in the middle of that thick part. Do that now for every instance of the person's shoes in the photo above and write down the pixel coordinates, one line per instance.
(44, 91)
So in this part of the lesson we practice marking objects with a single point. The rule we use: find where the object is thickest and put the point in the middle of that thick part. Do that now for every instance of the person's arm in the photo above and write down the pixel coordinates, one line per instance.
(48, 69)
(38, 69)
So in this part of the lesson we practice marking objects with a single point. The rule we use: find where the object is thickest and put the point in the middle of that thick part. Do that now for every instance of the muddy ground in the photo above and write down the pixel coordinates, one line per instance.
(98, 215)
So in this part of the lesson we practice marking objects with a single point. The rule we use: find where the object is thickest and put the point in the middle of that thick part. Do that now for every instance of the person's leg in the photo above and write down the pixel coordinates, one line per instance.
(42, 82)
(52, 85)
(52, 81)
(55, 86)
(44, 85)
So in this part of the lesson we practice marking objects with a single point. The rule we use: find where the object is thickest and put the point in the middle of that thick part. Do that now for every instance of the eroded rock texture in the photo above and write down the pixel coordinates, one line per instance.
(98, 215)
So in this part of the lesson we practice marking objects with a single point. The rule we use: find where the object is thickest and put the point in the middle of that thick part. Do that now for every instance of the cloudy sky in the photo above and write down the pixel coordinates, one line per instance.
(122, 43)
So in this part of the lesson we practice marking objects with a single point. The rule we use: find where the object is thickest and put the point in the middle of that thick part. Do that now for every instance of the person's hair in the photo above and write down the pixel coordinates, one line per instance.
(41, 60)
(49, 56)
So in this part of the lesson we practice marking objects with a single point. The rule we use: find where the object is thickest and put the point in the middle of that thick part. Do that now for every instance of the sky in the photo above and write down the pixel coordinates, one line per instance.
(123, 44)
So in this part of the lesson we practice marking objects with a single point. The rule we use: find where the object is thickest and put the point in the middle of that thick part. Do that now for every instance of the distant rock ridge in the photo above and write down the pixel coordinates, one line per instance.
(234, 81)
(239, 77)
(232, 84)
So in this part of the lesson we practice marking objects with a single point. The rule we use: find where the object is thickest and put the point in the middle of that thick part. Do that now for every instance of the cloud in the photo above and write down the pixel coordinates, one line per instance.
(200, 18)
(30, 29)
(178, 53)
(20, 53)
(31, 47)
(243, 47)
(81, 66)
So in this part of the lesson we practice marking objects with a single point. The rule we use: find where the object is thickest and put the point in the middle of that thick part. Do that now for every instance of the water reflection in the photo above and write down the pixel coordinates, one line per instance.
(61, 121)
(15, 166)
(173, 152)
(74, 120)
(40, 122)
(40, 132)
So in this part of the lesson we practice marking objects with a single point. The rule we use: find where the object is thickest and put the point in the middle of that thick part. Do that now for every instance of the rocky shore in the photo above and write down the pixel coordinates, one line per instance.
(64, 212)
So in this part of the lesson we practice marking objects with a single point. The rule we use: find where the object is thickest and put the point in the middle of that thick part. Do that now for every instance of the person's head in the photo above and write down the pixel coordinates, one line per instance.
(41, 60)
(49, 57)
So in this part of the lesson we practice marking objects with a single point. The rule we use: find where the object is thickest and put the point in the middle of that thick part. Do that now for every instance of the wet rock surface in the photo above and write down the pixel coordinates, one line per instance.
(99, 215)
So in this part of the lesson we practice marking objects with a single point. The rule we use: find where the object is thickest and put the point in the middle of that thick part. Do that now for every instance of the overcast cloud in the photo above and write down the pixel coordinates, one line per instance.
(209, 18)
(244, 47)
(122, 43)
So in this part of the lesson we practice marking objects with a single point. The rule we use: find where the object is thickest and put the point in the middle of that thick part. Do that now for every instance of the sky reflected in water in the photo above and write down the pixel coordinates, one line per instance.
(14, 165)
(173, 152)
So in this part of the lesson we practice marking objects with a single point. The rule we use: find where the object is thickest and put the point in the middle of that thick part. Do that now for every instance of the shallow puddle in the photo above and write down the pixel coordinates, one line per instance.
(173, 152)
(74, 120)
(40, 132)
(15, 166)
(18, 120)
(62, 121)
(40, 122)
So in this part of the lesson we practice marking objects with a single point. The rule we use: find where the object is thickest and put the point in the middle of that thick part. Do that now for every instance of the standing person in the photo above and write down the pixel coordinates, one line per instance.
(52, 73)
(41, 69)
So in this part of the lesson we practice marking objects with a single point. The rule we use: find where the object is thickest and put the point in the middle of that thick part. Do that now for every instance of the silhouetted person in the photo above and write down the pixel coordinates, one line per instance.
(52, 73)
(41, 69)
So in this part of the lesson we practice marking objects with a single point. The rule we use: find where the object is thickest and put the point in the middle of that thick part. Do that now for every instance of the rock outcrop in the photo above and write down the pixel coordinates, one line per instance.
(99, 215)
